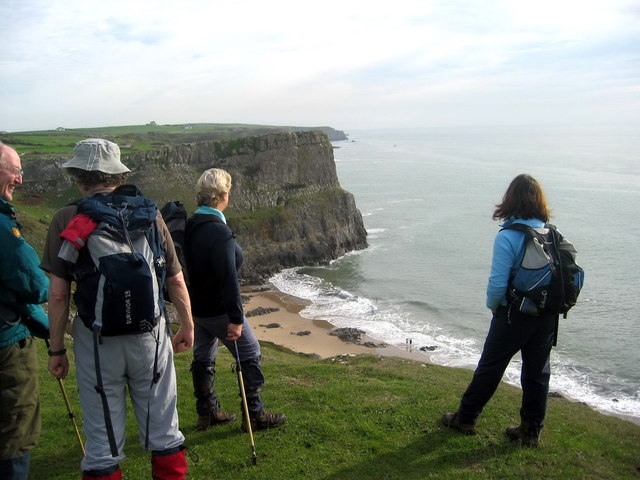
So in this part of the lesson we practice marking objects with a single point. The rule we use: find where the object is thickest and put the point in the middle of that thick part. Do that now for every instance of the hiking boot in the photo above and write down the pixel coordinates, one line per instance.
(527, 437)
(263, 421)
(214, 418)
(452, 420)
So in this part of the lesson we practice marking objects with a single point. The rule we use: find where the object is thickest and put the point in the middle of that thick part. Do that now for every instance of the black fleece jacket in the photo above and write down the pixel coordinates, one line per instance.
(213, 260)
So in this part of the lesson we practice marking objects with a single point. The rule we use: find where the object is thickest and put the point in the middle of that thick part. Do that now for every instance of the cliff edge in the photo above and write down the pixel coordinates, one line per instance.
(287, 207)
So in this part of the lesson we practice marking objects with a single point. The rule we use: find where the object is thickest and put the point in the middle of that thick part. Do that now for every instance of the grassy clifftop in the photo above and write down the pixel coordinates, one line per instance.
(139, 138)
(365, 417)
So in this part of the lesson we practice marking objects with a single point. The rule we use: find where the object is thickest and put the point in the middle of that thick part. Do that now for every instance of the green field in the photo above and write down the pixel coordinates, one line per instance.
(133, 138)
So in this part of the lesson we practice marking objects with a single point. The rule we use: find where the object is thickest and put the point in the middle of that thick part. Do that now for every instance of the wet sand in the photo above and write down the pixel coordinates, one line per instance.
(266, 308)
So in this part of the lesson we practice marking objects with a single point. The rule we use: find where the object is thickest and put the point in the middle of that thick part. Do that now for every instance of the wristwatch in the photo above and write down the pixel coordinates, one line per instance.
(57, 353)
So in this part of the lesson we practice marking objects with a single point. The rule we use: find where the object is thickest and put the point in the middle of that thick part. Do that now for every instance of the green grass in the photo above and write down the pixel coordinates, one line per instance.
(134, 138)
(362, 417)
(34, 218)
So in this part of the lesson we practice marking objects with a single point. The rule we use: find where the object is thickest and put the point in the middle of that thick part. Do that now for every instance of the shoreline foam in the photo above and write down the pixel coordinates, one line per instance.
(303, 335)
(311, 337)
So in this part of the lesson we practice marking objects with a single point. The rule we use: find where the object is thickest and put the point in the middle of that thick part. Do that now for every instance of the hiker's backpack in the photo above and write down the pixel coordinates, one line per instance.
(548, 280)
(120, 272)
(120, 275)
(174, 215)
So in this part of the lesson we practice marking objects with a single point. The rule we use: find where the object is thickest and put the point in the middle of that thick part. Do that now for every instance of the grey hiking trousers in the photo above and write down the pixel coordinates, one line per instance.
(126, 365)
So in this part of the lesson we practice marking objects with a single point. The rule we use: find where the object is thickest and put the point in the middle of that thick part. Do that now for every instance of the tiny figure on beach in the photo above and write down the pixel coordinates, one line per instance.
(213, 260)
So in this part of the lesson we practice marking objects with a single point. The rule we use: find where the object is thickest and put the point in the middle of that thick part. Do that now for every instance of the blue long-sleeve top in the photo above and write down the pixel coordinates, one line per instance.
(508, 249)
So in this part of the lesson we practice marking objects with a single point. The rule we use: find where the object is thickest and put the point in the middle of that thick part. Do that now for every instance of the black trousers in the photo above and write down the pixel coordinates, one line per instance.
(510, 332)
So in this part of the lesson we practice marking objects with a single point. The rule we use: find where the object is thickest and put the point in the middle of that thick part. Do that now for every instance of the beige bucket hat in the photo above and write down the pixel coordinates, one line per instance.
(97, 154)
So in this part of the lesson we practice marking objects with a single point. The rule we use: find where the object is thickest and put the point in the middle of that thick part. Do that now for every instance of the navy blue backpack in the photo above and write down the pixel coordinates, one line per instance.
(120, 273)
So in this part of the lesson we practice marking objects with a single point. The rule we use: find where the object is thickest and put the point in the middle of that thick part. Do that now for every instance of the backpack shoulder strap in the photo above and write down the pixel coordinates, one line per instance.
(556, 240)
(531, 232)
(519, 227)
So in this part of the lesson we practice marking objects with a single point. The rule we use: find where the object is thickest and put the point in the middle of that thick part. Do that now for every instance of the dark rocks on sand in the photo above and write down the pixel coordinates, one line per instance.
(270, 325)
(347, 334)
(374, 345)
(428, 348)
(261, 311)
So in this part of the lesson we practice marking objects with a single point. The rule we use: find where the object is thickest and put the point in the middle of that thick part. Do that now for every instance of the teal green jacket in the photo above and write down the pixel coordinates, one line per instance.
(23, 285)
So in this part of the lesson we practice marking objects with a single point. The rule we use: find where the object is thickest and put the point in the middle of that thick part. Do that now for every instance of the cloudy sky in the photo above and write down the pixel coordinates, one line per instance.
(348, 64)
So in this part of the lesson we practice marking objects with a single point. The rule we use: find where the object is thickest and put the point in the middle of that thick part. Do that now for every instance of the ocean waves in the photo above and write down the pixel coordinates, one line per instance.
(415, 325)
(427, 196)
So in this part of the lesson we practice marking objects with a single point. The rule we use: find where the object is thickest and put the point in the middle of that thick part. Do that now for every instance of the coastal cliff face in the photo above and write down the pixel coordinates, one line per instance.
(286, 205)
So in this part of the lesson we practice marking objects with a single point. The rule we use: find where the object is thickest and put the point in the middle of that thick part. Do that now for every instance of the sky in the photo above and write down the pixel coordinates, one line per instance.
(349, 64)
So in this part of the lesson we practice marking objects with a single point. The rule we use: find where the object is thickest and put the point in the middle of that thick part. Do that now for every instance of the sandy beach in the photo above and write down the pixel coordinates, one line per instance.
(275, 317)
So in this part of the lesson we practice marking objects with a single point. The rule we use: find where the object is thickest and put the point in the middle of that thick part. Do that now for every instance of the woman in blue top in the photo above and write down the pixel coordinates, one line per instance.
(512, 331)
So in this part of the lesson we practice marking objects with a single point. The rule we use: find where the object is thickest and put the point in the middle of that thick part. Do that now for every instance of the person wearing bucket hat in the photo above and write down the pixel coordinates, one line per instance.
(22, 287)
(97, 155)
(125, 361)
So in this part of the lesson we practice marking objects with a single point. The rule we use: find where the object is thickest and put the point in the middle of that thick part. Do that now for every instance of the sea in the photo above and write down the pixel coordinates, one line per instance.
(427, 196)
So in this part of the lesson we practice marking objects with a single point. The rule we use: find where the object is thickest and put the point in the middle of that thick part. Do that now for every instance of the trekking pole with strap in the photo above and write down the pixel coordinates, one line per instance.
(245, 406)
(68, 404)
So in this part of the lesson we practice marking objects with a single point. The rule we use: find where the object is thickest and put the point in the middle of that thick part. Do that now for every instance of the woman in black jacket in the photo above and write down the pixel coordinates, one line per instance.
(213, 260)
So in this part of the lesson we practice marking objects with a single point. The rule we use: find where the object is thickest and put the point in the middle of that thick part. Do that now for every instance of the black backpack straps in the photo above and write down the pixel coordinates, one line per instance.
(103, 396)
(154, 380)
(520, 227)
(531, 232)
(556, 238)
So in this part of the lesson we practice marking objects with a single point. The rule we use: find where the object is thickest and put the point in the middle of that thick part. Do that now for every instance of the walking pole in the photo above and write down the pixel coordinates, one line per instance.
(245, 407)
(71, 415)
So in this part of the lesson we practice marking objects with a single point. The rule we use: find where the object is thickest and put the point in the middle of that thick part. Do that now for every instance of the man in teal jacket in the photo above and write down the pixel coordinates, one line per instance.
(23, 286)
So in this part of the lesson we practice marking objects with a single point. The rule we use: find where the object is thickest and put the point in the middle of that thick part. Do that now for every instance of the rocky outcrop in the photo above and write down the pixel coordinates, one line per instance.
(287, 207)
(266, 170)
